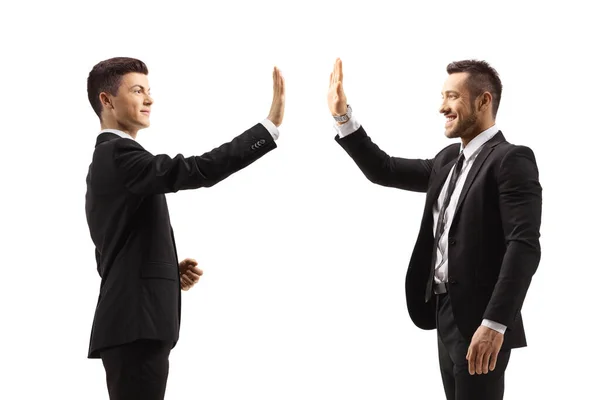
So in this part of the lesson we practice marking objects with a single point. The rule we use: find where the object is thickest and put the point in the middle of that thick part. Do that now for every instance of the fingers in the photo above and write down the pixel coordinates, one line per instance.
(479, 361)
(187, 280)
(278, 104)
(338, 74)
(278, 83)
(486, 362)
(471, 359)
(193, 276)
(336, 71)
(493, 360)
(483, 351)
(335, 94)
(282, 83)
(189, 261)
(183, 284)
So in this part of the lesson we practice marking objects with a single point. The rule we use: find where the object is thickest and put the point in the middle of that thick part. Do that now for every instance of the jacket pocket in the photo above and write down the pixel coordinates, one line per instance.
(160, 270)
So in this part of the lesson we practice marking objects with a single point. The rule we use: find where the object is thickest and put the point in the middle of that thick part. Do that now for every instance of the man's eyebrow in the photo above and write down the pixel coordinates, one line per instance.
(140, 86)
(451, 91)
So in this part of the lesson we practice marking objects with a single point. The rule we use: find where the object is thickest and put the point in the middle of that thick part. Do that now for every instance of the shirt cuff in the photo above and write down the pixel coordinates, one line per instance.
(271, 128)
(346, 129)
(494, 325)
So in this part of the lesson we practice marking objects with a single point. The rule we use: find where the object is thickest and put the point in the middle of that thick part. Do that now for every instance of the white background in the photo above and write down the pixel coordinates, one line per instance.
(304, 258)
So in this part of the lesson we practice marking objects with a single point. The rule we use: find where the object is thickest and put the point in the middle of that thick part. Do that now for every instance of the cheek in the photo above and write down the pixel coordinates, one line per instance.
(121, 109)
(462, 109)
(132, 108)
(124, 108)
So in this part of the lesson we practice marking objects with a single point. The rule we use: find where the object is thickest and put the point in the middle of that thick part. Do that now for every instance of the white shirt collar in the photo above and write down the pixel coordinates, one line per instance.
(118, 133)
(478, 141)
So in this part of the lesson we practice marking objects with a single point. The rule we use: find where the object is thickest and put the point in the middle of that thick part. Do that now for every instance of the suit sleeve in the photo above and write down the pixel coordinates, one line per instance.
(143, 173)
(521, 211)
(380, 168)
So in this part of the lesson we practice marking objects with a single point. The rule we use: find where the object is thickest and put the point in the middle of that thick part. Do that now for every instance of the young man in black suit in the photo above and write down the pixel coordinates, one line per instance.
(137, 317)
(478, 245)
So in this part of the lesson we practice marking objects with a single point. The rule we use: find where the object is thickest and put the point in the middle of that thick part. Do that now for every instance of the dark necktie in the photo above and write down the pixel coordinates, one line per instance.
(439, 229)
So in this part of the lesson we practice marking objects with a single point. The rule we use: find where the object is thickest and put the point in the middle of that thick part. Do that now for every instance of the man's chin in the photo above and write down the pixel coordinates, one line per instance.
(451, 134)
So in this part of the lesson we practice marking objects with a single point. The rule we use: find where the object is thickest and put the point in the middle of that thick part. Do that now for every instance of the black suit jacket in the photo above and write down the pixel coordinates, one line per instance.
(493, 241)
(128, 218)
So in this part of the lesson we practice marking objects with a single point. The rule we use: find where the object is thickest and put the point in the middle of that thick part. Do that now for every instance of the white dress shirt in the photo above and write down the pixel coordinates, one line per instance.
(471, 151)
(266, 123)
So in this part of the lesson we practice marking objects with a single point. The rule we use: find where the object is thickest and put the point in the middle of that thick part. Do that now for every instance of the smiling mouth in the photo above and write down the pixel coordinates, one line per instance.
(450, 119)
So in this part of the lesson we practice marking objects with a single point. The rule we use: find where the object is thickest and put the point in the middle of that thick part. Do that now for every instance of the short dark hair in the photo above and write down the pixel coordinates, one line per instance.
(106, 76)
(482, 78)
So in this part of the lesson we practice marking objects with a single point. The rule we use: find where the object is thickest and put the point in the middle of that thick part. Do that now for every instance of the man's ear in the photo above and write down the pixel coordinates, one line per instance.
(485, 101)
(106, 100)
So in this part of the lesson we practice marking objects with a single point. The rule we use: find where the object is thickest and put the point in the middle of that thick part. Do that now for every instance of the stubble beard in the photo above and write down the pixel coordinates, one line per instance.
(464, 128)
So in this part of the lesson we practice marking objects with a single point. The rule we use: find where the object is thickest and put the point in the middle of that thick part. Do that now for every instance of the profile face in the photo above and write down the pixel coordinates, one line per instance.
(133, 102)
(457, 106)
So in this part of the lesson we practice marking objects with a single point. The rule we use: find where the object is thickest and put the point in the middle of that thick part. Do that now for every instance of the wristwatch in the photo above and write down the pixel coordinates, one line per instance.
(346, 117)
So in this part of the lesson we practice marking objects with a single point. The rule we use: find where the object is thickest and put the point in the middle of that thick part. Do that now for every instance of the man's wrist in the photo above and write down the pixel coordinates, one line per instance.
(270, 126)
(345, 117)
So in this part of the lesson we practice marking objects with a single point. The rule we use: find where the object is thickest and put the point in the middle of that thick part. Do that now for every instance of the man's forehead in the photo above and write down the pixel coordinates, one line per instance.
(455, 81)
(135, 78)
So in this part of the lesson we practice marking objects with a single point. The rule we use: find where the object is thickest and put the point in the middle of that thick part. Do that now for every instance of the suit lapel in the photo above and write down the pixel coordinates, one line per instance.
(483, 155)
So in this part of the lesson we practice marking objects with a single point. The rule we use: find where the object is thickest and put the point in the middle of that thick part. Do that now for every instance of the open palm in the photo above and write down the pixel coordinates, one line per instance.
(336, 98)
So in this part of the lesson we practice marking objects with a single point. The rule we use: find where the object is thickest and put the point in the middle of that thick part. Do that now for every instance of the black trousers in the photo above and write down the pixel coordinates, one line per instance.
(452, 351)
(138, 370)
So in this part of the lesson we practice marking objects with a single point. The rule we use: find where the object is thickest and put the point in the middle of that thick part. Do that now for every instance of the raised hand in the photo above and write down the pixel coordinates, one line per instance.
(336, 98)
(278, 105)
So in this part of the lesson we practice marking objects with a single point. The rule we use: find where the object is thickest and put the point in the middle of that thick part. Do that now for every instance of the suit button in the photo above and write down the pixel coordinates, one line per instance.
(452, 241)
(261, 142)
(451, 280)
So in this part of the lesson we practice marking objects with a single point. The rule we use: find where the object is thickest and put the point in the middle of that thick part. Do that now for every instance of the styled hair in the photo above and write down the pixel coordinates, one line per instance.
(481, 78)
(106, 76)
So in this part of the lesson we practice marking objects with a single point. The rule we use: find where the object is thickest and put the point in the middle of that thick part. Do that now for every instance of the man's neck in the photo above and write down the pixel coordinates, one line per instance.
(476, 132)
(118, 127)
